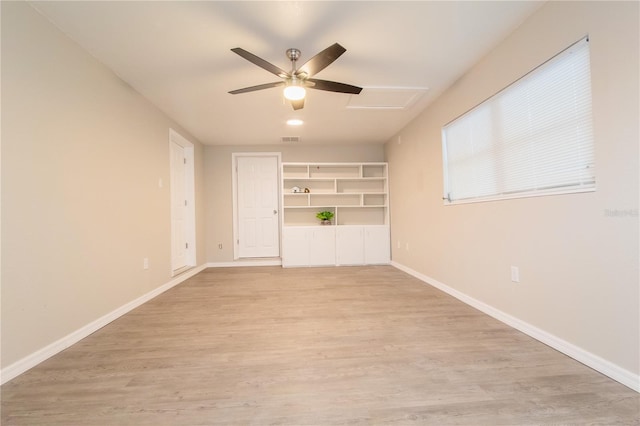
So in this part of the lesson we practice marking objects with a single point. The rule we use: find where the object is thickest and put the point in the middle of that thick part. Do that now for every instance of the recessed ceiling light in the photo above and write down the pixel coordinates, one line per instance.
(295, 122)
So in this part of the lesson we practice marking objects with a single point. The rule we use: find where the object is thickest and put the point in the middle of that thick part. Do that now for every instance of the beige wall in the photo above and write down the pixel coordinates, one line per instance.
(82, 155)
(578, 263)
(218, 183)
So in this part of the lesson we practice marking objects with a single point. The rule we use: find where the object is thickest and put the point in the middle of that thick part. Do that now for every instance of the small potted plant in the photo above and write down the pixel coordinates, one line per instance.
(325, 217)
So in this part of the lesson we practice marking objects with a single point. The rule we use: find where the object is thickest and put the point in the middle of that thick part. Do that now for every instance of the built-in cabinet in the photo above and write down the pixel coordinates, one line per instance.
(308, 246)
(357, 194)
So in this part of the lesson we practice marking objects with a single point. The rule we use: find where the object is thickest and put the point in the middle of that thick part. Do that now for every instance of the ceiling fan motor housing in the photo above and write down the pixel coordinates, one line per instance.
(293, 54)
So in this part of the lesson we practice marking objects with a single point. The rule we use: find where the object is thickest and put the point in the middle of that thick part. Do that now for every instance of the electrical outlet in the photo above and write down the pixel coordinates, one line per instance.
(399, 245)
(407, 246)
(515, 274)
(145, 263)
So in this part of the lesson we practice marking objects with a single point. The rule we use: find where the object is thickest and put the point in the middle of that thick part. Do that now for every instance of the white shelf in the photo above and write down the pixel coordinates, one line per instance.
(357, 193)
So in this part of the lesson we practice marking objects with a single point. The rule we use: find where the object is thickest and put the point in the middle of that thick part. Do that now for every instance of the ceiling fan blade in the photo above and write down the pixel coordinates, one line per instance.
(321, 60)
(260, 62)
(298, 104)
(333, 86)
(258, 87)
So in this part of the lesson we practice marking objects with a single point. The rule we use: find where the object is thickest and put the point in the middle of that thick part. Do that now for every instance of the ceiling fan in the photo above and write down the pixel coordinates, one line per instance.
(296, 80)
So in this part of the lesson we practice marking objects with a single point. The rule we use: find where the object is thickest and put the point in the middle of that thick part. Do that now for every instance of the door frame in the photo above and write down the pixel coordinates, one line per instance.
(234, 183)
(190, 221)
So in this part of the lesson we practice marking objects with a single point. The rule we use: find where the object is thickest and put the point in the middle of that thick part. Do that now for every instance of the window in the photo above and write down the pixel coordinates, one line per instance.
(534, 137)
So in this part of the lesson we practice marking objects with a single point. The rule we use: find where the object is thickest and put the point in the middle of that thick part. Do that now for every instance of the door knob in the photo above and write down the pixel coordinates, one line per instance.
(275, 212)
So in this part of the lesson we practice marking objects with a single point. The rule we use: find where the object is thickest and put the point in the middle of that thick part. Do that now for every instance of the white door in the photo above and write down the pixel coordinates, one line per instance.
(258, 223)
(178, 207)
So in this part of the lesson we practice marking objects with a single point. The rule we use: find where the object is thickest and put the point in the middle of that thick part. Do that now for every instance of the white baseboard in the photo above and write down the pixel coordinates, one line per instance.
(599, 364)
(30, 361)
(245, 262)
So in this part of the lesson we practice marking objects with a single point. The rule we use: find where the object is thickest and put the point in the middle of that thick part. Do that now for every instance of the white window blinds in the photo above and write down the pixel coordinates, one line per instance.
(534, 137)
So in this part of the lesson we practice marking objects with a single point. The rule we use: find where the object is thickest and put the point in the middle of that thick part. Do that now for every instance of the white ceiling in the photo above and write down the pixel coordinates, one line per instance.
(177, 54)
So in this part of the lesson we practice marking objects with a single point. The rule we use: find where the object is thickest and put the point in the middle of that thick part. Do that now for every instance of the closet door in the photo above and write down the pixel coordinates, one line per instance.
(258, 206)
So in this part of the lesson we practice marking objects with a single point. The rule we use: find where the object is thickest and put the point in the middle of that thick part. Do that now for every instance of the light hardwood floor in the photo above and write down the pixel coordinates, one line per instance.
(319, 346)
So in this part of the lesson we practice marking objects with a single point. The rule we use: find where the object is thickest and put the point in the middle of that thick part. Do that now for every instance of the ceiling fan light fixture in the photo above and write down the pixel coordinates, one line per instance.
(294, 92)
(299, 78)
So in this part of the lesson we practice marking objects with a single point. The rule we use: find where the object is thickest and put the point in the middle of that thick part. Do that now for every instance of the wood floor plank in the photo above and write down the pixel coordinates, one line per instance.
(311, 346)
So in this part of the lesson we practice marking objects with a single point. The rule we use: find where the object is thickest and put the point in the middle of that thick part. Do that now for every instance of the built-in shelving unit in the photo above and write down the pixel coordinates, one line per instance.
(357, 194)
